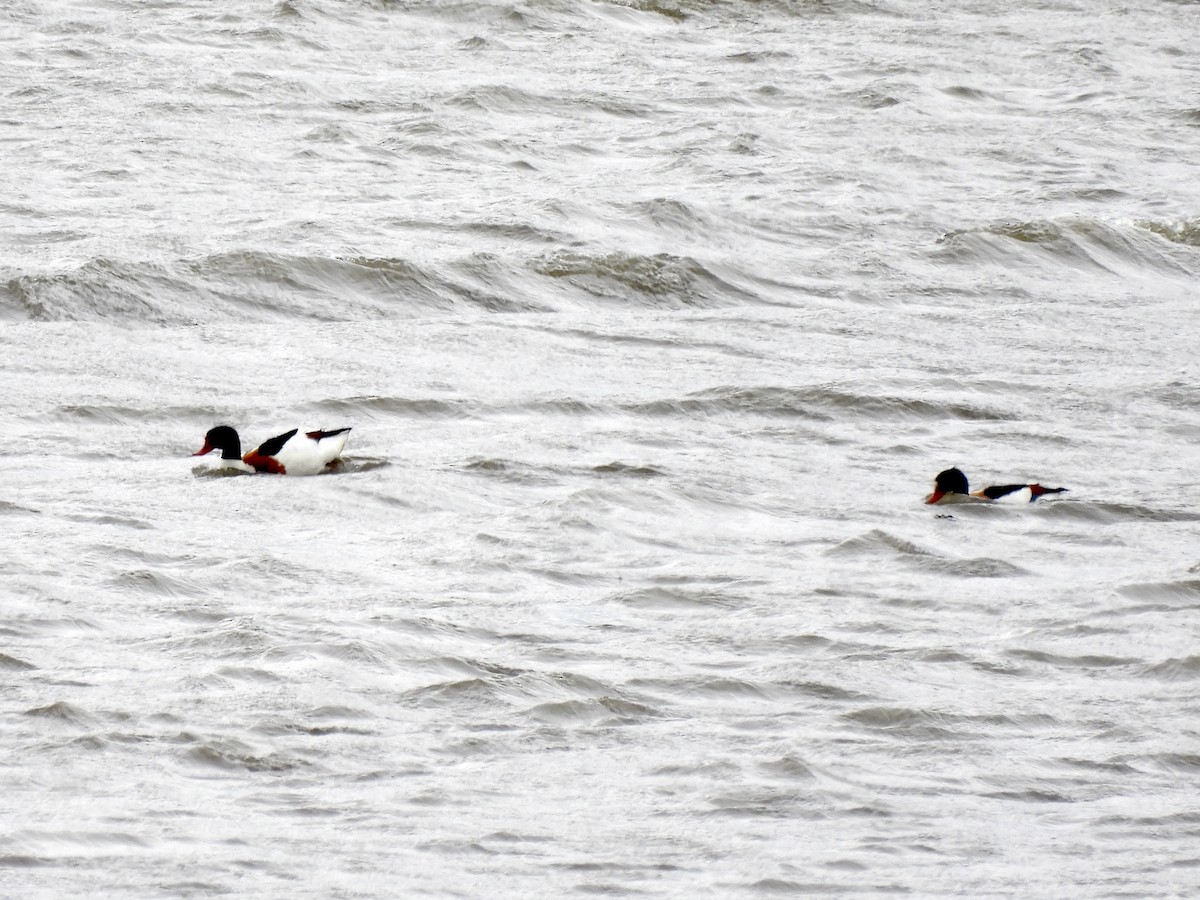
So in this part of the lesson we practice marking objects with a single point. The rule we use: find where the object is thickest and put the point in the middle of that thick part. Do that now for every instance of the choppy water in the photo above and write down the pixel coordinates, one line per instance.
(653, 321)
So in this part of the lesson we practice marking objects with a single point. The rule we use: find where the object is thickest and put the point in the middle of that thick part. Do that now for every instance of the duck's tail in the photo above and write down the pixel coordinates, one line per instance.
(1036, 490)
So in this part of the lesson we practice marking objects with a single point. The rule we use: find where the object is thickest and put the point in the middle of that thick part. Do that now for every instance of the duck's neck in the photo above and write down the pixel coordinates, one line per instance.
(232, 449)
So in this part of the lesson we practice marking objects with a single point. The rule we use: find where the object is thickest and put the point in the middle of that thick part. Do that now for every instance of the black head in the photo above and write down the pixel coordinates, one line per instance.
(222, 438)
(951, 481)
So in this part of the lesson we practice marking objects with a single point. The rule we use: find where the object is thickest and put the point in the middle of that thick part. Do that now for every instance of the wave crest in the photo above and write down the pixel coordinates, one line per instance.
(1127, 247)
(256, 286)
(660, 281)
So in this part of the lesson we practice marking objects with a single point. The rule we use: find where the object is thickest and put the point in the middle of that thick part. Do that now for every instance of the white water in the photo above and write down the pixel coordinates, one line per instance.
(653, 323)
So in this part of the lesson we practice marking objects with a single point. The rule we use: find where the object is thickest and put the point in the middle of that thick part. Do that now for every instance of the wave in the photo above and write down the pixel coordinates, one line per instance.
(517, 472)
(246, 285)
(1060, 661)
(661, 281)
(7, 507)
(346, 465)
(683, 10)
(556, 13)
(880, 543)
(14, 663)
(258, 286)
(62, 711)
(1127, 247)
(676, 599)
(1184, 593)
(232, 754)
(1109, 511)
(605, 711)
(817, 402)
(1175, 669)
(823, 403)
(923, 724)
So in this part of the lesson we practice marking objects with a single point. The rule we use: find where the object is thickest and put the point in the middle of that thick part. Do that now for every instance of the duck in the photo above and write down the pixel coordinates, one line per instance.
(950, 486)
(294, 452)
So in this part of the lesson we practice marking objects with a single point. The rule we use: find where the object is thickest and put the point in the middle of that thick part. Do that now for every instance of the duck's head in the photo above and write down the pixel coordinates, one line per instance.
(951, 481)
(222, 438)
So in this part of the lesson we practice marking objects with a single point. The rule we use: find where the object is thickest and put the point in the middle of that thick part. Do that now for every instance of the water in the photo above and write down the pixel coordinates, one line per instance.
(654, 322)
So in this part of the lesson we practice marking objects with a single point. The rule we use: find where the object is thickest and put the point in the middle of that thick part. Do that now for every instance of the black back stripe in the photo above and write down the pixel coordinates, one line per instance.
(319, 435)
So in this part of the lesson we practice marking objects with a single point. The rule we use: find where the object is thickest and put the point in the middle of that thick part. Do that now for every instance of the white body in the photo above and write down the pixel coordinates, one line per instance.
(302, 455)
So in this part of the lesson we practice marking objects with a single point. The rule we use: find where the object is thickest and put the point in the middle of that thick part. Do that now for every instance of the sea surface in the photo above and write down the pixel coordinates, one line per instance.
(653, 320)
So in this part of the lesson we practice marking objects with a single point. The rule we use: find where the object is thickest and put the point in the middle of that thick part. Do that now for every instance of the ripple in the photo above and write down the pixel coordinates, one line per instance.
(604, 711)
(1075, 662)
(1178, 669)
(62, 712)
(676, 598)
(661, 281)
(1122, 247)
(878, 542)
(232, 755)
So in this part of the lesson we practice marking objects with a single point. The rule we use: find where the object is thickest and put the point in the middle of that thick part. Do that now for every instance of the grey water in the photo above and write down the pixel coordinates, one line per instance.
(654, 320)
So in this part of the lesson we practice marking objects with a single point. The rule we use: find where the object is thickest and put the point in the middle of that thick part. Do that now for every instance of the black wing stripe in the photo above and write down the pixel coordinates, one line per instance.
(1002, 490)
(271, 446)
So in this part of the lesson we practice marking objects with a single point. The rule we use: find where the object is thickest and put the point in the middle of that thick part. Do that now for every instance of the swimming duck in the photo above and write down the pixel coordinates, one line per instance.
(291, 453)
(950, 486)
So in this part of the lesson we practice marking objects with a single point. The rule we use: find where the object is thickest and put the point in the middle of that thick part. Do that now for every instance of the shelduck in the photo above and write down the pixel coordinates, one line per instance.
(294, 452)
(951, 486)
